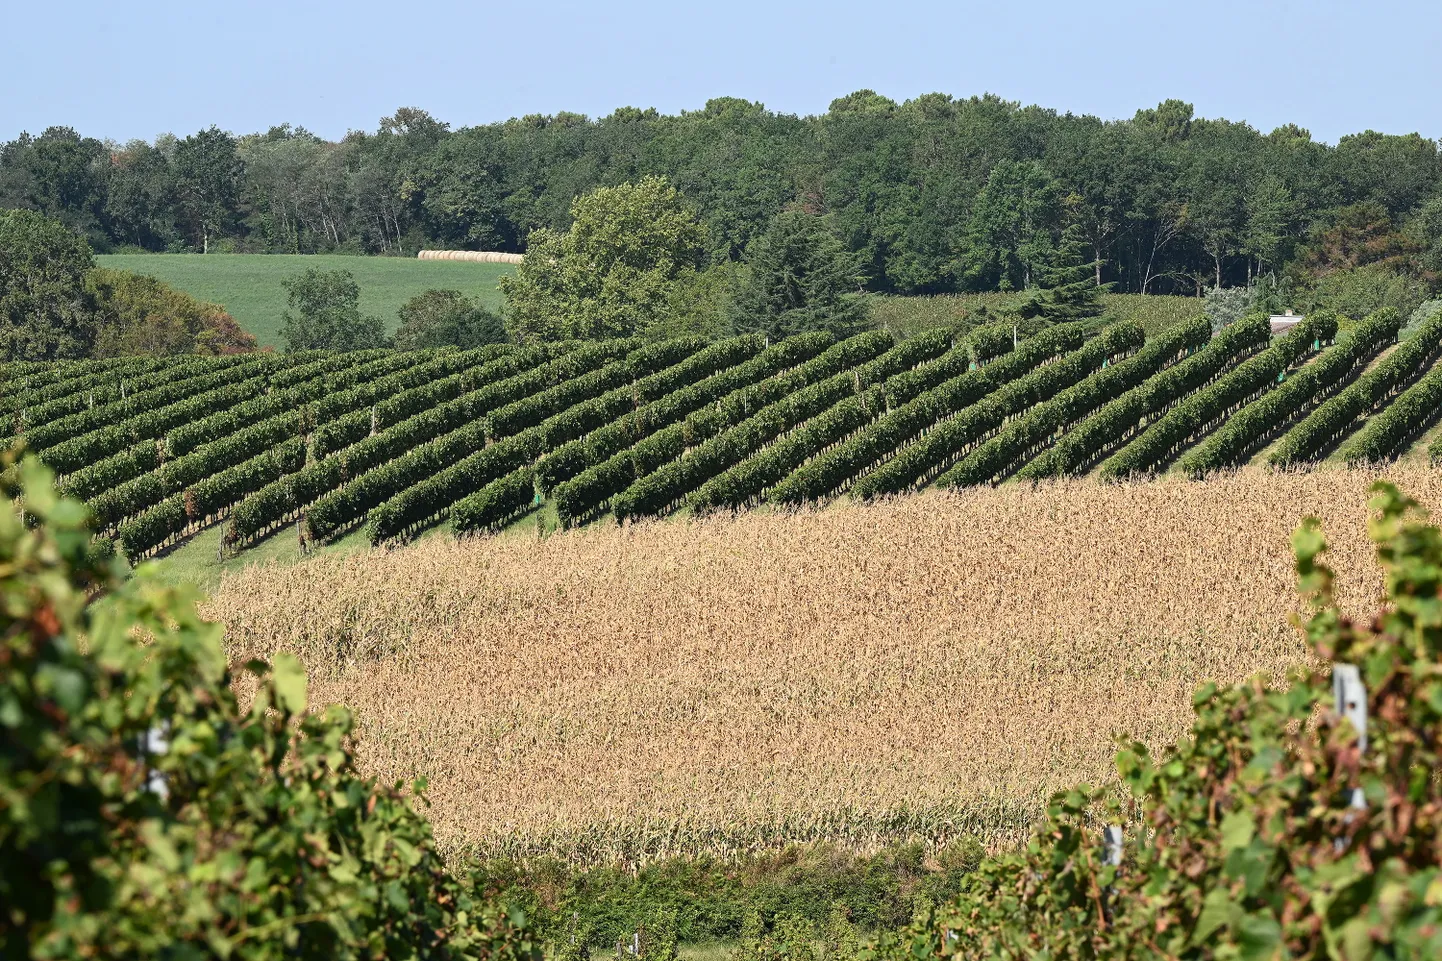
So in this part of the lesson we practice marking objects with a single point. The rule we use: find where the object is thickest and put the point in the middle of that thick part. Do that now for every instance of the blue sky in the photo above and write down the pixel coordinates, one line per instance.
(139, 69)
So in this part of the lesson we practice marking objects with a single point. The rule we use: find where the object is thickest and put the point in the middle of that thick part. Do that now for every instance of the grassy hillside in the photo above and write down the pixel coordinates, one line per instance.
(248, 285)
(910, 315)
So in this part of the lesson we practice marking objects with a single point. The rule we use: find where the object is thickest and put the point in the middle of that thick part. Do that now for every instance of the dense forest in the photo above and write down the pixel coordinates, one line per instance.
(932, 195)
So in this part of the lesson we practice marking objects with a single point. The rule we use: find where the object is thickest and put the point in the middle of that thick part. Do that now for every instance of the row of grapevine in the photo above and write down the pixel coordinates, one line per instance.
(217, 493)
(530, 411)
(344, 417)
(1114, 425)
(40, 405)
(811, 420)
(901, 403)
(188, 381)
(94, 478)
(308, 365)
(1321, 430)
(1200, 412)
(287, 390)
(432, 493)
(747, 480)
(104, 382)
(664, 488)
(970, 428)
(357, 497)
(608, 423)
(913, 442)
(622, 473)
(303, 394)
(664, 428)
(85, 482)
(114, 504)
(1024, 437)
(433, 496)
(1254, 425)
(497, 503)
(88, 448)
(19, 372)
(1389, 432)
(274, 503)
(35, 382)
(156, 528)
(166, 521)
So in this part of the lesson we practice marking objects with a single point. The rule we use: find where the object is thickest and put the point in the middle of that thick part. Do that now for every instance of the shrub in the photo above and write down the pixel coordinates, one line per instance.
(141, 315)
(324, 313)
(441, 318)
(1243, 840)
(145, 814)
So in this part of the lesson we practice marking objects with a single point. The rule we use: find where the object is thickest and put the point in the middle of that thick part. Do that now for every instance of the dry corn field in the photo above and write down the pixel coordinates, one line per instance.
(928, 666)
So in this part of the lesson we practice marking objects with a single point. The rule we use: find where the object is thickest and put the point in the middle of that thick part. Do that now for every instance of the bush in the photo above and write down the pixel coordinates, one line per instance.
(326, 305)
(447, 318)
(139, 315)
(1360, 291)
(708, 900)
(145, 814)
(1243, 841)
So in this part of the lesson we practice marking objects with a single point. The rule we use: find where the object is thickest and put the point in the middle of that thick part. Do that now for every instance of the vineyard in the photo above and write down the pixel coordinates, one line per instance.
(392, 443)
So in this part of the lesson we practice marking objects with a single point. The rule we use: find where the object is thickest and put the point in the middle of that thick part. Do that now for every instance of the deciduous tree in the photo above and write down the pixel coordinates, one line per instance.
(141, 315)
(46, 310)
(324, 313)
(613, 273)
(207, 175)
(442, 318)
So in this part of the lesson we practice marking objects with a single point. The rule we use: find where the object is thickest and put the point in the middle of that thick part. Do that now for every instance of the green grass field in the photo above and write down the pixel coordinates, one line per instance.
(908, 316)
(248, 285)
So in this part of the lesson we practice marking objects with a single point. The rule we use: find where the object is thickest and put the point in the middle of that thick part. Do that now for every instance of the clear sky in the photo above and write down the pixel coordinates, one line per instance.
(142, 68)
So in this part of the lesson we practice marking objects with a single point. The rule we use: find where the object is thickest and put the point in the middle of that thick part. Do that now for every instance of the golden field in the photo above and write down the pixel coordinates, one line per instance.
(928, 666)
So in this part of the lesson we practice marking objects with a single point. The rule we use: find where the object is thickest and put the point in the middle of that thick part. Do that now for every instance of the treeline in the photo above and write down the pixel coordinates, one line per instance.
(932, 195)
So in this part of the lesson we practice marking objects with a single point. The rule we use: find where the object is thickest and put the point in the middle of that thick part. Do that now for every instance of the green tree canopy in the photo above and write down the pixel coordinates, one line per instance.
(798, 277)
(614, 272)
(208, 172)
(46, 310)
(1067, 286)
(1428, 226)
(1010, 232)
(324, 313)
(442, 318)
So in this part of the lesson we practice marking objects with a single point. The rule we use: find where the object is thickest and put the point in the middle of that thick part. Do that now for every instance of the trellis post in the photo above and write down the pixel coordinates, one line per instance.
(1112, 838)
(154, 743)
(1351, 697)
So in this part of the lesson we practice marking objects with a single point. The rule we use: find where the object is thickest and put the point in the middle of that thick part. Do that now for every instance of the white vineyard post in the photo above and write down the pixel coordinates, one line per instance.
(1111, 856)
(154, 743)
(1113, 839)
(1351, 697)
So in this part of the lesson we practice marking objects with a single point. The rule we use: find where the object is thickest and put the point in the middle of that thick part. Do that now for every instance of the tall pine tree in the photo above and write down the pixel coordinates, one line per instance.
(1067, 287)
